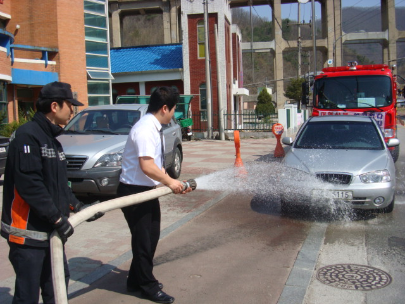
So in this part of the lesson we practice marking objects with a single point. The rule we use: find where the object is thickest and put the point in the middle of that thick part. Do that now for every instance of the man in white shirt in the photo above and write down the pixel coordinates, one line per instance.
(143, 170)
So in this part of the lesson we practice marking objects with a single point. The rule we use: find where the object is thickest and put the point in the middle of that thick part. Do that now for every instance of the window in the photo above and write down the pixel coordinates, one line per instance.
(153, 90)
(98, 92)
(3, 103)
(131, 91)
(203, 101)
(95, 20)
(94, 61)
(96, 48)
(94, 6)
(97, 52)
(97, 74)
(201, 39)
(99, 100)
(95, 34)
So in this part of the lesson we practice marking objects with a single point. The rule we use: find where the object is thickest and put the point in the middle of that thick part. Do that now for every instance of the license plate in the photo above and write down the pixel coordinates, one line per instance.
(345, 195)
(190, 133)
(335, 194)
(2, 150)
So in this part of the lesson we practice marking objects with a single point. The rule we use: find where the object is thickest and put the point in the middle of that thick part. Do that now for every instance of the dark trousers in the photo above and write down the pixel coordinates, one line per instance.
(32, 266)
(144, 223)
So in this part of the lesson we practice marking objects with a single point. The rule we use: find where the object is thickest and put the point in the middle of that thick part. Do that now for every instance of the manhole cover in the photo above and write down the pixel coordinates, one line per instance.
(355, 277)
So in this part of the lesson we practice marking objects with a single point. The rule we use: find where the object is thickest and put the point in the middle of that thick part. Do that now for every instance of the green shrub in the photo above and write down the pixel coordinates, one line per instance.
(8, 128)
(264, 106)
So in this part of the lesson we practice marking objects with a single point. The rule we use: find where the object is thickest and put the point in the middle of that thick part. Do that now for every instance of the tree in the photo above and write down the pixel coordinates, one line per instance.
(294, 89)
(264, 105)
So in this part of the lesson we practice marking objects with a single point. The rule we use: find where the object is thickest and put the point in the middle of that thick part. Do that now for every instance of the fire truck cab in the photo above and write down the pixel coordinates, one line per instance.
(366, 90)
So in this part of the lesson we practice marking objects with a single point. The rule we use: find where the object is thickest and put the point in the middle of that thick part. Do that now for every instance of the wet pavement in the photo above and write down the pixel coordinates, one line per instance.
(99, 247)
(220, 247)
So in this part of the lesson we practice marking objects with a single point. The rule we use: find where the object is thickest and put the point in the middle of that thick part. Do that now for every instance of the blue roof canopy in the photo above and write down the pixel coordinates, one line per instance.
(146, 58)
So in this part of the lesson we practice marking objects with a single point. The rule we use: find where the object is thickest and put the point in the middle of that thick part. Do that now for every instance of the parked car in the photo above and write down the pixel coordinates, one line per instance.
(349, 155)
(4, 142)
(94, 140)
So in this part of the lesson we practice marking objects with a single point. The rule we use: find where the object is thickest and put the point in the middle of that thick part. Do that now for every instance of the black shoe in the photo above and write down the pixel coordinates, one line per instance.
(160, 297)
(137, 288)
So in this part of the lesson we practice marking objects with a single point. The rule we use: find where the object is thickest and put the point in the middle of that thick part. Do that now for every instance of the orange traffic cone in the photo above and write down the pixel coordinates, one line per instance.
(278, 129)
(238, 161)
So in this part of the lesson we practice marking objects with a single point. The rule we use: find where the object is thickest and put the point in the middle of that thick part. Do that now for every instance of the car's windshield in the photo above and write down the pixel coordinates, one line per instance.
(353, 92)
(103, 122)
(340, 135)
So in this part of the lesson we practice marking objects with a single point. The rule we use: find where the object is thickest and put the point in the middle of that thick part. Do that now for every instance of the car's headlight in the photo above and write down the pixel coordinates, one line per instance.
(379, 176)
(109, 160)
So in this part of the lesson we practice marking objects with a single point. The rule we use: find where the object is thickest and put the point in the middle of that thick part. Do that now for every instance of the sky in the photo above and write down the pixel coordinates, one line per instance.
(290, 11)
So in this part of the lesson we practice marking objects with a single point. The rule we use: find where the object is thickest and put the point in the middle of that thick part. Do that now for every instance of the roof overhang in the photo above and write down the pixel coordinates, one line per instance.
(240, 92)
(144, 76)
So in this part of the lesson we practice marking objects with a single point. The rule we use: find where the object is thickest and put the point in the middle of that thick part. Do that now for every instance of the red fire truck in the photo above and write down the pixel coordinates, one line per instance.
(368, 90)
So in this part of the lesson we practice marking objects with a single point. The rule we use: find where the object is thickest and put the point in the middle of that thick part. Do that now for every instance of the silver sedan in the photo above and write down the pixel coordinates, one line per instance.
(348, 160)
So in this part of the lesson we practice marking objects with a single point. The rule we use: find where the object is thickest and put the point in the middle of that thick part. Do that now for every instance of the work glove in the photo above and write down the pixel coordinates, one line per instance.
(64, 228)
(80, 206)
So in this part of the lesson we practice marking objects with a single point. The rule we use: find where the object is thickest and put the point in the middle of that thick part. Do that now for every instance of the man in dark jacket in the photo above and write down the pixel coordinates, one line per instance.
(36, 195)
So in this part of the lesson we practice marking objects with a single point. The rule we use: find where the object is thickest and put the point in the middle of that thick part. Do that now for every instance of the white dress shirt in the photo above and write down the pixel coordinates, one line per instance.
(143, 140)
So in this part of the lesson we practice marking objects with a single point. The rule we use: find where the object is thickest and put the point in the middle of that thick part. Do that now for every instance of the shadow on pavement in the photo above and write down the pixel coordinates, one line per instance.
(5, 296)
(115, 281)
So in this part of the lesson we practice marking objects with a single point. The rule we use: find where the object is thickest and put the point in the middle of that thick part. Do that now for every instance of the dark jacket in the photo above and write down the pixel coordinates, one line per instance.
(35, 191)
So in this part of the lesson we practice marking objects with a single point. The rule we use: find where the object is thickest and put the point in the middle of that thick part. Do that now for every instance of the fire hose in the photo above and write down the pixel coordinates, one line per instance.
(58, 272)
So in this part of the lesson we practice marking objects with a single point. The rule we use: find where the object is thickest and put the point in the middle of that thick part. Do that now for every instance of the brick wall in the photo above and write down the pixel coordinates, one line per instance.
(5, 68)
(197, 66)
(52, 24)
(5, 7)
(71, 44)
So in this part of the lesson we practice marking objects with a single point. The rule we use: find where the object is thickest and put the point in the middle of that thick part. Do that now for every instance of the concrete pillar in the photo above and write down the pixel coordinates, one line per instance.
(337, 10)
(388, 23)
(278, 54)
(174, 24)
(142, 89)
(332, 30)
(166, 22)
(116, 28)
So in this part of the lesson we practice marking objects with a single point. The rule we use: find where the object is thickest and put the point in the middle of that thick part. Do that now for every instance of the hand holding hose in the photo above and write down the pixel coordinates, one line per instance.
(64, 228)
(80, 206)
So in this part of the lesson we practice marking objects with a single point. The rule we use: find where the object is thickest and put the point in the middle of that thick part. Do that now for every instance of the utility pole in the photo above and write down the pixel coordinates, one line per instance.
(299, 40)
(251, 44)
(207, 72)
(314, 34)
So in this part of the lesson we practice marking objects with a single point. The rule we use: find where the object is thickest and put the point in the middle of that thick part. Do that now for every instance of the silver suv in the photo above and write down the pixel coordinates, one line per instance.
(94, 140)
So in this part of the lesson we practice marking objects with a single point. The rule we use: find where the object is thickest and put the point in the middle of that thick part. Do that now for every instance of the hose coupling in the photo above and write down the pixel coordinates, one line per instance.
(191, 183)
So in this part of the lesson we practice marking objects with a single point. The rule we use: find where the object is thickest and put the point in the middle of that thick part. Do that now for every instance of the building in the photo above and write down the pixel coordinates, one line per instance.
(137, 70)
(53, 40)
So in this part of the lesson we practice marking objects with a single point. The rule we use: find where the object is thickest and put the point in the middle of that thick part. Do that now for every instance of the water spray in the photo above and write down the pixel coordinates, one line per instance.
(56, 246)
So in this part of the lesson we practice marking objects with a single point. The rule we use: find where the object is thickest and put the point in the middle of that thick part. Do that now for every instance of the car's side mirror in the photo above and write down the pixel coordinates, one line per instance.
(287, 141)
(393, 142)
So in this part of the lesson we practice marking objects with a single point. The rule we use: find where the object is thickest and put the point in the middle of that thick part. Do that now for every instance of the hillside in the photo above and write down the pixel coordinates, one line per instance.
(353, 20)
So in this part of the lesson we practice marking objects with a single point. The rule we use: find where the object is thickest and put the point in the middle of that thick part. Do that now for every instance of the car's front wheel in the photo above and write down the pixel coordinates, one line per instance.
(175, 169)
(395, 154)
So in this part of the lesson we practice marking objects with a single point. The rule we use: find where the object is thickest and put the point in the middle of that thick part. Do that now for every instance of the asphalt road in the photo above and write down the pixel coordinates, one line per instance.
(239, 248)
(243, 250)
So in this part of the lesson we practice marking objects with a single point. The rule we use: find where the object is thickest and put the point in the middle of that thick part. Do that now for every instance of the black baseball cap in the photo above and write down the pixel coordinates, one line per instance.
(59, 90)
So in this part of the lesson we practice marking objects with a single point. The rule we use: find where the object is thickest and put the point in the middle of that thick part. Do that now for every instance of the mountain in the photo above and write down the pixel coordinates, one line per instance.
(354, 19)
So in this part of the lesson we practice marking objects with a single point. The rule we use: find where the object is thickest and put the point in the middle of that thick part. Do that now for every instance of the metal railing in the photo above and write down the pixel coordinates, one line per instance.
(246, 121)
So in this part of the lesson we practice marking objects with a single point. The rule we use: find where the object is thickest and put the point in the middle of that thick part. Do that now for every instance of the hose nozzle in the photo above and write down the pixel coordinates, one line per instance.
(191, 183)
